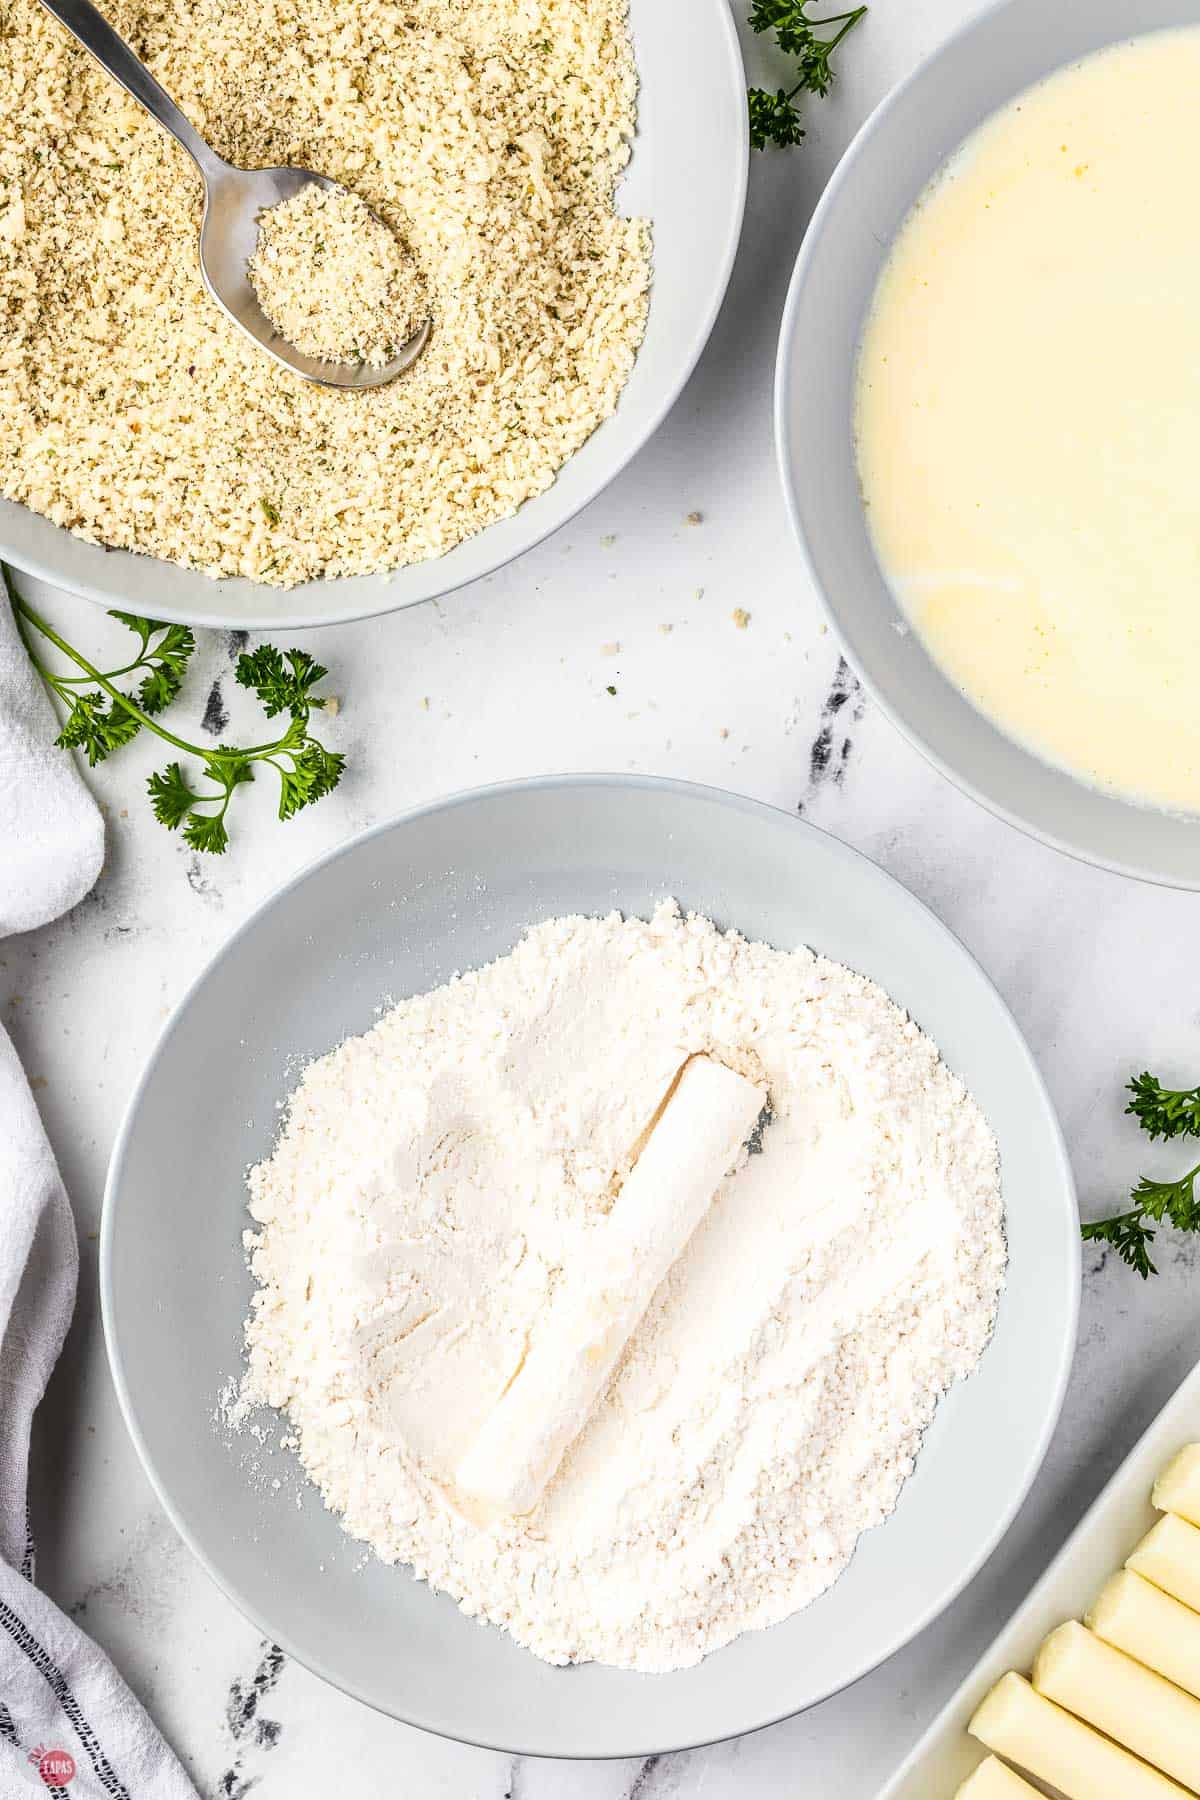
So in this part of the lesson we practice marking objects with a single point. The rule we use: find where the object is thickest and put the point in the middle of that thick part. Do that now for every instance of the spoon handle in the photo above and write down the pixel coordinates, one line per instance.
(89, 26)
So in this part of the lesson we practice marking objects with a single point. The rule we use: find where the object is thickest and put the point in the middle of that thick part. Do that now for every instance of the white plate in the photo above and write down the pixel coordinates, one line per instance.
(1097, 1548)
(688, 175)
(449, 887)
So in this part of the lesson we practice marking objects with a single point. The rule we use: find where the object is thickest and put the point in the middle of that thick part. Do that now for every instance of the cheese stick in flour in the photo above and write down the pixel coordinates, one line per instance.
(695, 1140)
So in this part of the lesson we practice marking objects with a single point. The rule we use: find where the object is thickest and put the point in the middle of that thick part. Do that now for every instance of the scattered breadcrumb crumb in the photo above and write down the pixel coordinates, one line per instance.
(740, 617)
(333, 706)
(613, 649)
(723, 732)
(666, 629)
(694, 518)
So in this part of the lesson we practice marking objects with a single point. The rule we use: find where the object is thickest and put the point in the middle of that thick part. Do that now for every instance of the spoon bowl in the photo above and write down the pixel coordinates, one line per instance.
(234, 201)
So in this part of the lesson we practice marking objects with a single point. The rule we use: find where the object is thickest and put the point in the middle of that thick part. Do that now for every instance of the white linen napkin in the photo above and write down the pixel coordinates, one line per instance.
(69, 1726)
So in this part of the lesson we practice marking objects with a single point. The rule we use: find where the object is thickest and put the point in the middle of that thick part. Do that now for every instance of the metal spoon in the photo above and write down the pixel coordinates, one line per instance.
(233, 200)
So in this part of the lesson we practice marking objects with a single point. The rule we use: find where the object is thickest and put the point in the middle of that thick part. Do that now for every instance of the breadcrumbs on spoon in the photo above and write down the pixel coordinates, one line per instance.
(334, 280)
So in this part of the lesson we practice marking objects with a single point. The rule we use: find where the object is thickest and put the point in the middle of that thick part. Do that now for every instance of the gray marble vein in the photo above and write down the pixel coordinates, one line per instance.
(252, 1732)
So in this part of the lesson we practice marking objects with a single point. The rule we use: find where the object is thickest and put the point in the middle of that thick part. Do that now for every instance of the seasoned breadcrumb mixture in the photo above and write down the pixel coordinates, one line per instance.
(488, 134)
(334, 280)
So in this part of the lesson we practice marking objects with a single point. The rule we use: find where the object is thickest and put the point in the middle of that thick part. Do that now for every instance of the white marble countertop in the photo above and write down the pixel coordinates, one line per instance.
(509, 678)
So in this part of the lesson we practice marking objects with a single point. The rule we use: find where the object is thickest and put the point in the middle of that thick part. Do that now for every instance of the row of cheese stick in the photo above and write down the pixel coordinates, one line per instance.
(1113, 1708)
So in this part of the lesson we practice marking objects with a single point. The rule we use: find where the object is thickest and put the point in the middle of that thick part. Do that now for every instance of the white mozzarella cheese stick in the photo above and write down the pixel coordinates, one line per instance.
(1177, 1489)
(1133, 1705)
(1169, 1556)
(693, 1143)
(994, 1780)
(1141, 1620)
(1053, 1747)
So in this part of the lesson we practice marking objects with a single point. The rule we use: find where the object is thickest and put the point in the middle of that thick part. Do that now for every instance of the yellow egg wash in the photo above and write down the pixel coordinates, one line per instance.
(1028, 419)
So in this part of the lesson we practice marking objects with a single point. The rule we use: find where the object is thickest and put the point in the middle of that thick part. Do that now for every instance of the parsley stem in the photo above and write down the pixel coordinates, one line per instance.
(24, 611)
(1091, 1226)
(262, 751)
(828, 49)
(82, 680)
(1184, 1181)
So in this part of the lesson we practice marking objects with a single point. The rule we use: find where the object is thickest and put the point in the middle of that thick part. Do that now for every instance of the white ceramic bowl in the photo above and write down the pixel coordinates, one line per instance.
(900, 147)
(688, 175)
(449, 887)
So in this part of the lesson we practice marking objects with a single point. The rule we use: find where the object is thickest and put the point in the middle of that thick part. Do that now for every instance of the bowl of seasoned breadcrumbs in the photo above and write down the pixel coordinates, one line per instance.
(564, 209)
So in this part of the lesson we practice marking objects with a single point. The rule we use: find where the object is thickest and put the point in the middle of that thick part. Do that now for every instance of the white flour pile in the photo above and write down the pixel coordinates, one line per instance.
(436, 1179)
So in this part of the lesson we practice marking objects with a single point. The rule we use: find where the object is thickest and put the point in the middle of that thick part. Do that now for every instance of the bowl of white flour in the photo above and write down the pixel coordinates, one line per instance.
(430, 1065)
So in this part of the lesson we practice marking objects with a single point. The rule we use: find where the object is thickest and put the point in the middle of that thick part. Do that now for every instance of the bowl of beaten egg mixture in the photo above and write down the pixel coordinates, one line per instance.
(991, 466)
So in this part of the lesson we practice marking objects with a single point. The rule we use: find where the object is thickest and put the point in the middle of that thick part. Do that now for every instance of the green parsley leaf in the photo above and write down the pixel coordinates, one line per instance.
(1171, 1202)
(1164, 1112)
(315, 773)
(283, 684)
(1128, 1236)
(774, 118)
(170, 796)
(207, 832)
(166, 665)
(96, 726)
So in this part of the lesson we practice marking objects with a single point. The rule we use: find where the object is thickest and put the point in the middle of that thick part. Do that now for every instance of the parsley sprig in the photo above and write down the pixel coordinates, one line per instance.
(775, 118)
(1129, 1234)
(102, 717)
(1162, 1113)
